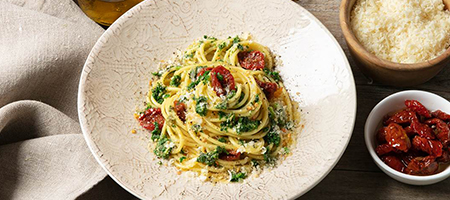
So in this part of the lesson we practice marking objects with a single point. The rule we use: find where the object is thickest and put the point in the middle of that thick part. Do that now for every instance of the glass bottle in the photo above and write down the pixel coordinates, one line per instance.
(105, 12)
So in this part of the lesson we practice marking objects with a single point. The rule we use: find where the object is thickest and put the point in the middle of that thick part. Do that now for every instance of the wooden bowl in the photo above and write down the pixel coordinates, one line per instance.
(384, 71)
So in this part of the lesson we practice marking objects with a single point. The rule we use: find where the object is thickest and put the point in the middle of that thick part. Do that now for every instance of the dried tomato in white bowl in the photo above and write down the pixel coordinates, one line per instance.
(408, 137)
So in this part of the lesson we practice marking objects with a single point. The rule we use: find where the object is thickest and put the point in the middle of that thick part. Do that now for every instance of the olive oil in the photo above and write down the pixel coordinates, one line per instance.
(105, 12)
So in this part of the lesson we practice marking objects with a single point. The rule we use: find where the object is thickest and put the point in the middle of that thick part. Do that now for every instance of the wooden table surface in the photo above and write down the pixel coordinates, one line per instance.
(356, 176)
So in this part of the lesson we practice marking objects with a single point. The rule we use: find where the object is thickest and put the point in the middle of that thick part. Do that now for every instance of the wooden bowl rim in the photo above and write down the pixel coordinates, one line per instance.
(344, 18)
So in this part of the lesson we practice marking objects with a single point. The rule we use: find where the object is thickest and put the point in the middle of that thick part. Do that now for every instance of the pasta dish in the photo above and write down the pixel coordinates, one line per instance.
(220, 110)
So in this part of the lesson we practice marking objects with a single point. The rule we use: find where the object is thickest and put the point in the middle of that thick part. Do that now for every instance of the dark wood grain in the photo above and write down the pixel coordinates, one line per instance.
(356, 176)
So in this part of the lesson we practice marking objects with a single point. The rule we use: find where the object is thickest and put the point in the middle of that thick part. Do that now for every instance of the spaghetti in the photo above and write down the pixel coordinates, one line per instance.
(221, 110)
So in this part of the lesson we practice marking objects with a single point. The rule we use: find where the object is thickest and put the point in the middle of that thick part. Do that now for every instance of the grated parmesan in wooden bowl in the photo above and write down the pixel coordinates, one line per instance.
(397, 42)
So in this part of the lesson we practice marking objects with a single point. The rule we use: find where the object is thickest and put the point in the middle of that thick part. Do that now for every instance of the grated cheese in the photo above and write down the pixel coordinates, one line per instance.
(403, 31)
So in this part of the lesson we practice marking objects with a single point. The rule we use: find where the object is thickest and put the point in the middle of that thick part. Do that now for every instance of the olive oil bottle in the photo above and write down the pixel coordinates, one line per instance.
(105, 12)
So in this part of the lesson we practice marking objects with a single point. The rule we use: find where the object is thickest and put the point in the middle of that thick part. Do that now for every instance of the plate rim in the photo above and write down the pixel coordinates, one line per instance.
(128, 14)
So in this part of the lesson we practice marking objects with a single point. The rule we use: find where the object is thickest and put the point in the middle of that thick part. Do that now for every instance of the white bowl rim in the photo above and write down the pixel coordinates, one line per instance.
(441, 175)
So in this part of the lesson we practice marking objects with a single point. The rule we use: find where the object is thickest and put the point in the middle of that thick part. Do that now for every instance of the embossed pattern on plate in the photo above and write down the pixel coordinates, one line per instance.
(116, 74)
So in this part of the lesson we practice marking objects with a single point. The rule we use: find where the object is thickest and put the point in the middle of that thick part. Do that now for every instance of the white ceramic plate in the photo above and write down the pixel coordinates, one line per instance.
(116, 74)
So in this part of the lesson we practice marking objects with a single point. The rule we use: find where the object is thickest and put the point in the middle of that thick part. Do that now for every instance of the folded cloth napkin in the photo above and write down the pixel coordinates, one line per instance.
(43, 155)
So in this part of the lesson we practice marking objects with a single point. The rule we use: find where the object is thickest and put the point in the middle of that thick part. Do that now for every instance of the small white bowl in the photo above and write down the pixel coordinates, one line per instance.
(393, 103)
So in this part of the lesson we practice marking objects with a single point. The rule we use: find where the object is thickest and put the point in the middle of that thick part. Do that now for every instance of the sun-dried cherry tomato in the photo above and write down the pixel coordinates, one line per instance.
(432, 147)
(232, 155)
(401, 117)
(384, 149)
(422, 166)
(441, 115)
(251, 60)
(381, 135)
(394, 162)
(442, 130)
(416, 106)
(226, 83)
(397, 138)
(445, 156)
(180, 109)
(150, 116)
(422, 129)
(267, 87)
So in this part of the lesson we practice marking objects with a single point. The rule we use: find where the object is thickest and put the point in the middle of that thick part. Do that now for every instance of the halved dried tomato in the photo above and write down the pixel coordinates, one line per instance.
(384, 149)
(422, 129)
(268, 88)
(441, 115)
(150, 116)
(180, 109)
(422, 166)
(432, 147)
(401, 117)
(222, 80)
(253, 60)
(393, 162)
(231, 156)
(442, 130)
(397, 138)
(416, 106)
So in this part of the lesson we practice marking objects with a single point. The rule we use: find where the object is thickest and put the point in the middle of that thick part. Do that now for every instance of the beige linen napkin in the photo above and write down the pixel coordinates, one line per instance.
(43, 155)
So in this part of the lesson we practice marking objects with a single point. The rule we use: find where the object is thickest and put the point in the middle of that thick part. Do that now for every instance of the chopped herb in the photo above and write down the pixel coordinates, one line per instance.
(222, 45)
(236, 39)
(241, 142)
(222, 105)
(158, 93)
(273, 74)
(255, 163)
(244, 124)
(210, 38)
(220, 77)
(148, 106)
(211, 157)
(273, 136)
(192, 85)
(228, 123)
(162, 150)
(158, 74)
(286, 150)
(165, 96)
(191, 55)
(257, 98)
(241, 124)
(237, 177)
(196, 127)
(200, 108)
(182, 158)
(268, 158)
(193, 75)
(222, 114)
(159, 163)
(277, 114)
(240, 47)
(175, 81)
(156, 133)
(231, 94)
(177, 67)
(222, 139)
